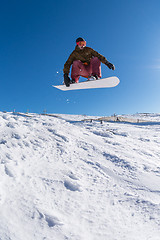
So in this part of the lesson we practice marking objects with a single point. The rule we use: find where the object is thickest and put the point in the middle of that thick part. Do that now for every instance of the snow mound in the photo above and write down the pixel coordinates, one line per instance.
(62, 178)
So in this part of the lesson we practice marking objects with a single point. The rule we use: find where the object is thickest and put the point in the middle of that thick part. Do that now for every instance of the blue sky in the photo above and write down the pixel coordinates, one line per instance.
(36, 38)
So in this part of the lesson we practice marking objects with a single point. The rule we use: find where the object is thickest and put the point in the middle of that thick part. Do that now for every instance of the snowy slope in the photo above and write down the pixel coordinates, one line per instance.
(61, 178)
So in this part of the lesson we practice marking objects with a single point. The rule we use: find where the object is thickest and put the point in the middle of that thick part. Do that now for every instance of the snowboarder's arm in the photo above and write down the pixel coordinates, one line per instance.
(100, 57)
(68, 63)
(103, 60)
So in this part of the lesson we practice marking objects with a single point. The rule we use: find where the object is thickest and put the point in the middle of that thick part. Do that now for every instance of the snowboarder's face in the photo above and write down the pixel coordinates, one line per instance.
(81, 44)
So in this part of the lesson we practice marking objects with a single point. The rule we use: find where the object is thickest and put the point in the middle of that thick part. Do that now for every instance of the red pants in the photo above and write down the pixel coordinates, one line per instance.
(79, 69)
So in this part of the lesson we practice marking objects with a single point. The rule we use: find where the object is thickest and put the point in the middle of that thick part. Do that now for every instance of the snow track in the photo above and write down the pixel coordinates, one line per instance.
(61, 179)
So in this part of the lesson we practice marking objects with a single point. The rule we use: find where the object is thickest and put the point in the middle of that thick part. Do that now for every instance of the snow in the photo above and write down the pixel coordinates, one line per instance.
(62, 178)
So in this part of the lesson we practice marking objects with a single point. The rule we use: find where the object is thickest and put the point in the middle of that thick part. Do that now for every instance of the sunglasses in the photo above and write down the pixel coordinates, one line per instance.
(81, 43)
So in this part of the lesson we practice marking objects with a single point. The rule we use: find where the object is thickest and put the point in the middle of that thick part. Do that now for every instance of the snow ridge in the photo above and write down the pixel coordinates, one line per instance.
(62, 178)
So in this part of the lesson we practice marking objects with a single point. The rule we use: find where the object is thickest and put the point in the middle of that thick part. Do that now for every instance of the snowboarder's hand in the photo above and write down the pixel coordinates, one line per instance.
(67, 80)
(110, 65)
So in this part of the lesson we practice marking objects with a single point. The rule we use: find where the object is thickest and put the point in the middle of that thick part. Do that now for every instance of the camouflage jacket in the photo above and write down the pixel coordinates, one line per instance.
(84, 55)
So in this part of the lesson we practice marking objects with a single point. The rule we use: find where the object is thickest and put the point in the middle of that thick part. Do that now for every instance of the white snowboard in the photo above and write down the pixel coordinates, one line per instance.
(100, 83)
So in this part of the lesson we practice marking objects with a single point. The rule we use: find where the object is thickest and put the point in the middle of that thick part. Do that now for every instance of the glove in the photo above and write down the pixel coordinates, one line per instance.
(67, 80)
(110, 65)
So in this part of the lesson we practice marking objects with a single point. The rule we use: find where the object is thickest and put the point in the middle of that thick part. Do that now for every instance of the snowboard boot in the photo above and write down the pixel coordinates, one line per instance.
(72, 81)
(75, 80)
(96, 76)
(93, 77)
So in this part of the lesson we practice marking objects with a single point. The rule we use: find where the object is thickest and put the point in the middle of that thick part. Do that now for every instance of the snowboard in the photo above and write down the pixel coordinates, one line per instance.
(100, 83)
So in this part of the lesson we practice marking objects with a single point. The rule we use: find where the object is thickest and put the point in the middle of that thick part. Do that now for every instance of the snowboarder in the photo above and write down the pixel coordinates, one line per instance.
(85, 62)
